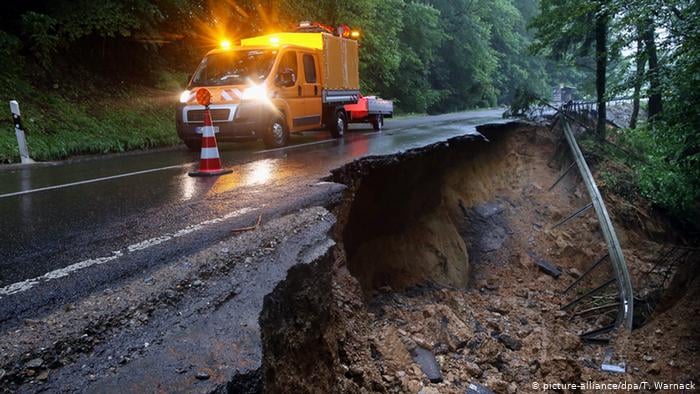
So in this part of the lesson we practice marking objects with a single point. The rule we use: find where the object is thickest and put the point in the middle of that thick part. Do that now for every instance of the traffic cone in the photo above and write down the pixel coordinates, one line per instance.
(209, 161)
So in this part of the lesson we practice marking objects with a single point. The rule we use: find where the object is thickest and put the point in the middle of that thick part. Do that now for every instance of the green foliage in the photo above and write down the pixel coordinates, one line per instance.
(670, 173)
(440, 55)
(523, 100)
(43, 42)
(58, 127)
(422, 33)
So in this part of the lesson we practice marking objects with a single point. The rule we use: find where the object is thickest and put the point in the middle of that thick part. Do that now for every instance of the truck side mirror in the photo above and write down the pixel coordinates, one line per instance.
(286, 78)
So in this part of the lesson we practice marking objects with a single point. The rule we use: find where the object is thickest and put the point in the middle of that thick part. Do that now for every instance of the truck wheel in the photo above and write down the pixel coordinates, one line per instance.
(276, 135)
(338, 125)
(193, 145)
(377, 122)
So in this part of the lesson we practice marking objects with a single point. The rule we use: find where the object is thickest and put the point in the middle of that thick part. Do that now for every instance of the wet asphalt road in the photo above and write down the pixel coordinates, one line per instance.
(69, 228)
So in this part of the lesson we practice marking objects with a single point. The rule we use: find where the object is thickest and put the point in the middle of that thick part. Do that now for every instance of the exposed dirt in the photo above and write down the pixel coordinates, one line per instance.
(440, 289)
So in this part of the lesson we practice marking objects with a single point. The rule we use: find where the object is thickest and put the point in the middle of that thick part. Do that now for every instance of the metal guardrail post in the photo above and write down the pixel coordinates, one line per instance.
(614, 249)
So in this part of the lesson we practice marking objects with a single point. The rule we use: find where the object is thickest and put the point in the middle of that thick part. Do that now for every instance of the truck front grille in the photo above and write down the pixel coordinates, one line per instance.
(217, 115)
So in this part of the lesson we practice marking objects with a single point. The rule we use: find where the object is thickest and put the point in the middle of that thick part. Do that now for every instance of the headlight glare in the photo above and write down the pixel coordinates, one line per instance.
(185, 96)
(255, 92)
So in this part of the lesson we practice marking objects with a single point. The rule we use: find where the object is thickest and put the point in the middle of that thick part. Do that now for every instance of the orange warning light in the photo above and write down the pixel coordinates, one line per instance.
(225, 44)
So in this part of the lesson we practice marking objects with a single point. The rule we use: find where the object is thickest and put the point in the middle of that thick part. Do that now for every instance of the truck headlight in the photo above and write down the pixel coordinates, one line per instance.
(255, 92)
(185, 96)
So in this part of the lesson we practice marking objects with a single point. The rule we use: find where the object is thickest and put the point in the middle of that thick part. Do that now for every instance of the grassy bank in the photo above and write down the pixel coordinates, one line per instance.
(64, 121)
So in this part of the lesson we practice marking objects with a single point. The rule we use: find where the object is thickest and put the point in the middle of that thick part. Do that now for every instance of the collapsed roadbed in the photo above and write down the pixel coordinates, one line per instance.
(425, 272)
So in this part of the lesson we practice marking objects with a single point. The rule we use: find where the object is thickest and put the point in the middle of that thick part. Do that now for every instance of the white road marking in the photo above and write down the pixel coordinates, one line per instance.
(65, 271)
(296, 146)
(106, 178)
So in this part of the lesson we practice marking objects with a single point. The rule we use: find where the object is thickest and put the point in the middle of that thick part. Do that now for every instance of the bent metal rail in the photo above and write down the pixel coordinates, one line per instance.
(614, 251)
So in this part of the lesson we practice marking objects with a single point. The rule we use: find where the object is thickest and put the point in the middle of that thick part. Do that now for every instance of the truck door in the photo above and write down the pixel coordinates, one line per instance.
(291, 93)
(310, 118)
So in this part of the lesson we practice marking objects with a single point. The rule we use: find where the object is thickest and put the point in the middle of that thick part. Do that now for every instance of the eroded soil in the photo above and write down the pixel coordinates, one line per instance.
(403, 289)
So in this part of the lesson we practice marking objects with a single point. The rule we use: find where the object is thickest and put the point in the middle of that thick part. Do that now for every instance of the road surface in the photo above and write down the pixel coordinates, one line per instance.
(74, 227)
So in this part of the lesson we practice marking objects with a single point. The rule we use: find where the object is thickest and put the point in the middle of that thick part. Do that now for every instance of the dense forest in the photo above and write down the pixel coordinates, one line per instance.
(116, 66)
(430, 56)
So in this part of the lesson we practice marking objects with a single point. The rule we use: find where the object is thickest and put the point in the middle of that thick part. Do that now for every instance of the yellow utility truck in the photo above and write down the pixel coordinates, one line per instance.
(273, 85)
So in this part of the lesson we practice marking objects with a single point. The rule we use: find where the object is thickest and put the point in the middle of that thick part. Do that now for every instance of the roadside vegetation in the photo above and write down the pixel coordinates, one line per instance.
(648, 50)
(95, 77)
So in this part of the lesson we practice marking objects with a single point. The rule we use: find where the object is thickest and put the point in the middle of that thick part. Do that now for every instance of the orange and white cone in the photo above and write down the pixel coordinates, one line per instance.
(209, 161)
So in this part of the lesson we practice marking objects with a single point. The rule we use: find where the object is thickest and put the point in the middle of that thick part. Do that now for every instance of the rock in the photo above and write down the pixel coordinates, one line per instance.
(201, 375)
(34, 363)
(428, 364)
(569, 341)
(197, 283)
(429, 390)
(394, 351)
(420, 341)
(654, 369)
(441, 348)
(648, 358)
(489, 209)
(512, 388)
(496, 384)
(496, 309)
(510, 342)
(44, 375)
(356, 370)
(476, 388)
(414, 386)
(473, 369)
(2, 373)
(491, 286)
(547, 267)
(574, 273)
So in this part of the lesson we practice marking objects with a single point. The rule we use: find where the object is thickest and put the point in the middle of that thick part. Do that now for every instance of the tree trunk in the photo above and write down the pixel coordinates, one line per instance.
(639, 77)
(655, 105)
(601, 65)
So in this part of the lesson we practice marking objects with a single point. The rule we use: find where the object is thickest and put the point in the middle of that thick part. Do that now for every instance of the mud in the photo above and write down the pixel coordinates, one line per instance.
(438, 262)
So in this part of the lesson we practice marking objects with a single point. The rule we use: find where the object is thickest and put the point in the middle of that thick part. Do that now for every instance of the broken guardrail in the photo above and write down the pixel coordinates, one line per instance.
(615, 255)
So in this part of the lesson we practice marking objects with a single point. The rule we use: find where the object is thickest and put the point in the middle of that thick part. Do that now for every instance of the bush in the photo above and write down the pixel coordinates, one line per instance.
(670, 174)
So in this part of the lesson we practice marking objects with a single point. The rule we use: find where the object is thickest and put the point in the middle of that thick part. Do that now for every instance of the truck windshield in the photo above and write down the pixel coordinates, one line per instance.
(234, 67)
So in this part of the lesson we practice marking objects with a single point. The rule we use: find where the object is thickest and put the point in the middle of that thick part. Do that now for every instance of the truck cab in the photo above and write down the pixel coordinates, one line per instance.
(270, 86)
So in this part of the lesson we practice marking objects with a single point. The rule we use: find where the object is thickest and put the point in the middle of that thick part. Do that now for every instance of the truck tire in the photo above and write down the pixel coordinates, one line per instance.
(377, 122)
(338, 125)
(277, 134)
(193, 145)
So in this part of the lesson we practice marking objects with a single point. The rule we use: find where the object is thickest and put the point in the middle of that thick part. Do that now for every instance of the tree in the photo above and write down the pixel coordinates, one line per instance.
(601, 69)
(567, 30)
(639, 77)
